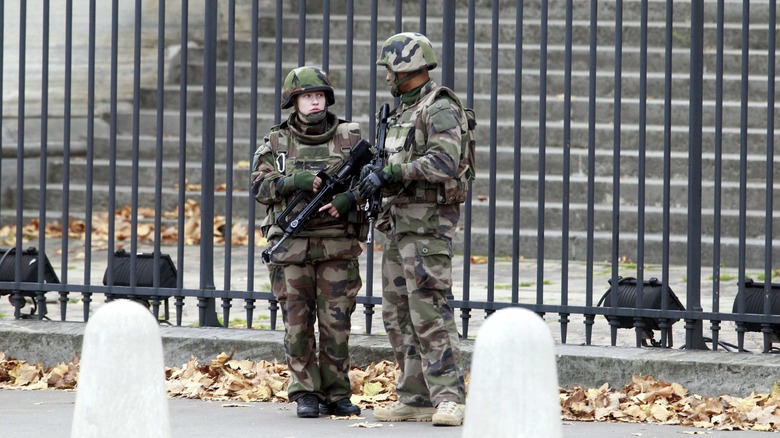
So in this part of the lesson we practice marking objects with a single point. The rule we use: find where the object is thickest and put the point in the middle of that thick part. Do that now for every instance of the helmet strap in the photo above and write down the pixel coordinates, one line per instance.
(395, 88)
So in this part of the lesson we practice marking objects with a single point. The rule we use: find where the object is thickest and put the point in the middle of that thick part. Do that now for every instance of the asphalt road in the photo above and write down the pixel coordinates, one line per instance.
(49, 413)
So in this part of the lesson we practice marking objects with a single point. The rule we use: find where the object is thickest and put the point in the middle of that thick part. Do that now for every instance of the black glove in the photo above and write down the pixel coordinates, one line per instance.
(374, 182)
(367, 170)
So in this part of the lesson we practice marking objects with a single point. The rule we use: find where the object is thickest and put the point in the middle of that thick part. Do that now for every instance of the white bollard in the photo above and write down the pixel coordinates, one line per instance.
(513, 390)
(121, 390)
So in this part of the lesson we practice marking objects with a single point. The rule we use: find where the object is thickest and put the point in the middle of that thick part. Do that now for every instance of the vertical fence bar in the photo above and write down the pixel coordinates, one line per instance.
(249, 303)
(743, 126)
(158, 165)
(111, 153)
(693, 327)
(278, 56)
(616, 122)
(326, 35)
(465, 312)
(349, 59)
(448, 45)
(718, 164)
(565, 198)
(368, 308)
(2, 78)
(66, 142)
(228, 233)
(18, 299)
(40, 297)
(88, 205)
(491, 244)
(423, 16)
(134, 180)
(399, 15)
(639, 323)
(182, 193)
(766, 329)
(663, 323)
(206, 300)
(301, 32)
(540, 215)
(590, 242)
(63, 296)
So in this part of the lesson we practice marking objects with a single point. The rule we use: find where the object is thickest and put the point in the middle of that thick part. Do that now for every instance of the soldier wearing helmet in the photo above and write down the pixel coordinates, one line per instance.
(423, 146)
(314, 275)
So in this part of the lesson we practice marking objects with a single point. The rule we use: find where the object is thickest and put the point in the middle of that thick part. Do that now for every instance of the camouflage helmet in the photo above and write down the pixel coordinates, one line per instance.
(303, 80)
(407, 52)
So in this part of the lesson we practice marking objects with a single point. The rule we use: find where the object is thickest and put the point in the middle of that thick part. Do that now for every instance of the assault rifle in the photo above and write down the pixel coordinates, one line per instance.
(359, 156)
(374, 203)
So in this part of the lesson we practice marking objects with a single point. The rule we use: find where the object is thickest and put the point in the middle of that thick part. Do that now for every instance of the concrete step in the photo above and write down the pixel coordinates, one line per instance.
(532, 28)
(527, 186)
(505, 131)
(556, 10)
(527, 213)
(527, 242)
(506, 55)
(505, 104)
(504, 160)
(505, 81)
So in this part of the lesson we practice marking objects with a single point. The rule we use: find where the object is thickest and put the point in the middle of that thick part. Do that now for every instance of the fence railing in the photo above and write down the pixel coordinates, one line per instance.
(636, 132)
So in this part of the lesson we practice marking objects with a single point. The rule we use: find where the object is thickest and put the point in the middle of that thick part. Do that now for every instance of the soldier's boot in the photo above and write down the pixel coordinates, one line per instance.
(449, 414)
(308, 406)
(402, 412)
(340, 408)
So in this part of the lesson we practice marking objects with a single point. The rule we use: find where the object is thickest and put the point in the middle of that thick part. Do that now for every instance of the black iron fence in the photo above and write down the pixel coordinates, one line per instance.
(636, 132)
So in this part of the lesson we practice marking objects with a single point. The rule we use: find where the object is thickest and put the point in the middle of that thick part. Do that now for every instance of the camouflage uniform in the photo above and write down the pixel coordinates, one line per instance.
(423, 147)
(315, 275)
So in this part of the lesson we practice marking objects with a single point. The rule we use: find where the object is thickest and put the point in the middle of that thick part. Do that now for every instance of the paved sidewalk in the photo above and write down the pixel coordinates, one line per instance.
(35, 414)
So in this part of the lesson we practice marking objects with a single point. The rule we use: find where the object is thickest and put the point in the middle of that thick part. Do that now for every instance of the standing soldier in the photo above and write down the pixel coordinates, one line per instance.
(314, 275)
(422, 196)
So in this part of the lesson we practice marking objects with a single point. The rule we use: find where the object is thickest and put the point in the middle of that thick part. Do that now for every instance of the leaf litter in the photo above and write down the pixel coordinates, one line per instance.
(237, 382)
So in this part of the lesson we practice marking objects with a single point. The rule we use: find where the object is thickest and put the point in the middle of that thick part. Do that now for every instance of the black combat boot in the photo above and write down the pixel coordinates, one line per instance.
(340, 408)
(308, 406)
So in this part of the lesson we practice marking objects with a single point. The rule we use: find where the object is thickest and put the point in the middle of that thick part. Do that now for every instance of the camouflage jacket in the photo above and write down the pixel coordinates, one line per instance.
(425, 140)
(285, 152)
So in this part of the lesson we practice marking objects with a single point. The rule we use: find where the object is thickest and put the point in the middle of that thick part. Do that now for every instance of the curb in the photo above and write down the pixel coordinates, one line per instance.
(706, 373)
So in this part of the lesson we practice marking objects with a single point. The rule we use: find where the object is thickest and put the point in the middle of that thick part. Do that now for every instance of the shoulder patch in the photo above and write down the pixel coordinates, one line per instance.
(442, 116)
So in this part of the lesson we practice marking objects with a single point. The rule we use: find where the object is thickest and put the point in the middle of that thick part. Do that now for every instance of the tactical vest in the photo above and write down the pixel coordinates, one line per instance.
(291, 155)
(403, 139)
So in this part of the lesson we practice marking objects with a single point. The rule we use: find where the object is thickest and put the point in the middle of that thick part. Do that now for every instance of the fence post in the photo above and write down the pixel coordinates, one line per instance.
(694, 339)
(208, 312)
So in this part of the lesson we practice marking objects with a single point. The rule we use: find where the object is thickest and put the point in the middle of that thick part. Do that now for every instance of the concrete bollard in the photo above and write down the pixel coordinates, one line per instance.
(513, 390)
(121, 390)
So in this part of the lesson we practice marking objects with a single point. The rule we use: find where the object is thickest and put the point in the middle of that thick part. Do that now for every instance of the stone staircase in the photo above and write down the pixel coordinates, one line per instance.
(496, 129)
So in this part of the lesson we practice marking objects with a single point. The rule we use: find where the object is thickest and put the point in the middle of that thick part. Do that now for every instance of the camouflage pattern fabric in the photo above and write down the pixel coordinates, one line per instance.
(417, 259)
(315, 275)
(420, 324)
(407, 52)
(321, 292)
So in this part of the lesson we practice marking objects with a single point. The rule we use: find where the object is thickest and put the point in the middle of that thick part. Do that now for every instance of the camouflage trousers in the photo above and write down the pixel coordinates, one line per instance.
(321, 293)
(420, 324)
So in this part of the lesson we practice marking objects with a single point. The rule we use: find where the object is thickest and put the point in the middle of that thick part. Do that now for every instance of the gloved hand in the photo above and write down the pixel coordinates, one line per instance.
(375, 181)
(367, 170)
(303, 180)
(342, 202)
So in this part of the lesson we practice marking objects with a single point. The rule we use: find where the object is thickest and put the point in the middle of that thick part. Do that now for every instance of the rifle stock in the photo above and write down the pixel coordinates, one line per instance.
(374, 203)
(359, 156)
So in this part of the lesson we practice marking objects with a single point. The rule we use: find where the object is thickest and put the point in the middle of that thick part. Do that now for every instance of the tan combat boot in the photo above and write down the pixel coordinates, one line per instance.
(401, 412)
(449, 414)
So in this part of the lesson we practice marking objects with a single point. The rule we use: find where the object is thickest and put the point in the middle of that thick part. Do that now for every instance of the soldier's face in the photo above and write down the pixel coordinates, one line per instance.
(395, 82)
(311, 103)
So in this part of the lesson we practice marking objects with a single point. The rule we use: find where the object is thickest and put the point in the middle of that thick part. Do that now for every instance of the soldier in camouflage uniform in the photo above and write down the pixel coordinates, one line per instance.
(420, 216)
(314, 275)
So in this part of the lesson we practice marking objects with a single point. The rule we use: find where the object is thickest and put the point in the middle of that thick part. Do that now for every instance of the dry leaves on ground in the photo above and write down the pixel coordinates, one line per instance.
(123, 228)
(226, 379)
